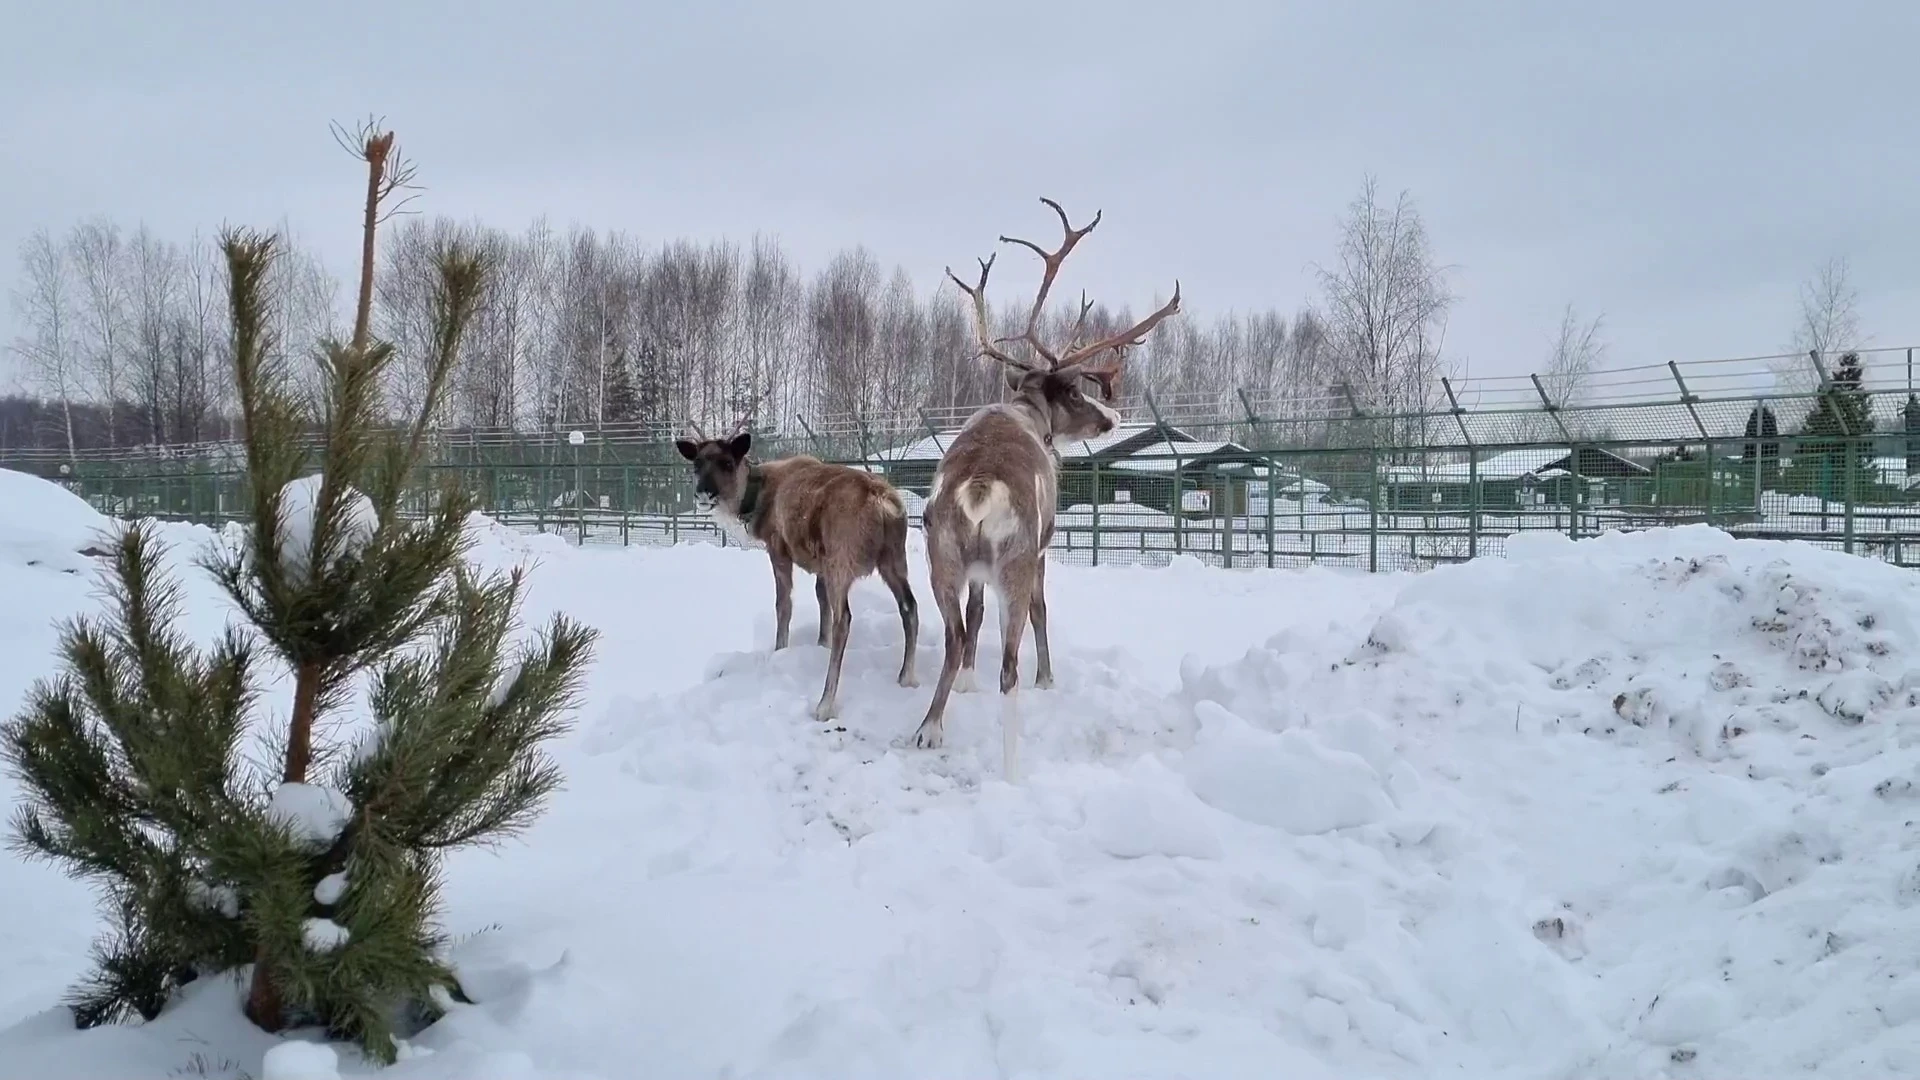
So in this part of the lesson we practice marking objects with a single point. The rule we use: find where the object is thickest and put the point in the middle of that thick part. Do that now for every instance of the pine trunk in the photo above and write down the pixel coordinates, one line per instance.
(264, 1007)
(306, 689)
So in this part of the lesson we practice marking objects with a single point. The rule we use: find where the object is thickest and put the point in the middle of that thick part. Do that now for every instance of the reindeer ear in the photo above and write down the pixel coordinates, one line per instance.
(686, 447)
(739, 444)
(1102, 379)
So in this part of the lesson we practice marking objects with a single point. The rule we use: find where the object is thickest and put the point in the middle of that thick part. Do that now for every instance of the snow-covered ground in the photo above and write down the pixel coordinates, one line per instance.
(1641, 806)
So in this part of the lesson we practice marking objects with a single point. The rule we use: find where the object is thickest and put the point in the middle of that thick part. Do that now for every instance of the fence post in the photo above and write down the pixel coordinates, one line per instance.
(576, 438)
(812, 438)
(1373, 506)
(1473, 468)
(1852, 465)
(1179, 469)
(1473, 503)
(1713, 483)
(1224, 488)
(626, 504)
(1096, 511)
(1272, 488)
(1576, 493)
(1273, 493)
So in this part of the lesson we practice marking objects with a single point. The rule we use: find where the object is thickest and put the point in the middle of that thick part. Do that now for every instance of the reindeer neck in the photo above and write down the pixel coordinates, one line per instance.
(752, 499)
(1036, 420)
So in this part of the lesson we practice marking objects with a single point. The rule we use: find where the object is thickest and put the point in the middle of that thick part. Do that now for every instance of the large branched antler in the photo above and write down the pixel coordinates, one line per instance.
(1052, 261)
(978, 294)
(1077, 358)
(1119, 343)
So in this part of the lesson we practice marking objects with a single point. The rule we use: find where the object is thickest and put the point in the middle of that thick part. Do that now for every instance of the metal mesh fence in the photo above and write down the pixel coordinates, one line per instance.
(1820, 450)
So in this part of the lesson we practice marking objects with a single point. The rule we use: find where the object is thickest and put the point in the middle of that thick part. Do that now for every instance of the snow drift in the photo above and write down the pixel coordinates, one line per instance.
(1633, 807)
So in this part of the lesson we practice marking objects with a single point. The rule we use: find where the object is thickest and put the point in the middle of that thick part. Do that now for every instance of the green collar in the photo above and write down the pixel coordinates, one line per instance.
(750, 498)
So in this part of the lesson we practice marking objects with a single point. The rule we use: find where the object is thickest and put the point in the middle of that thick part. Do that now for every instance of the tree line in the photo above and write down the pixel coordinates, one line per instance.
(122, 339)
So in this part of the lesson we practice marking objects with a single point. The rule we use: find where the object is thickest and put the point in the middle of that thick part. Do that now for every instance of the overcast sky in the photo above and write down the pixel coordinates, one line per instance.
(1677, 166)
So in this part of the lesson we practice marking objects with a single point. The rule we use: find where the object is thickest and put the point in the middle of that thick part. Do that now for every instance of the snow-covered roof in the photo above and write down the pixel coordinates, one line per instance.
(1287, 483)
(1087, 448)
(934, 447)
(927, 448)
(1511, 465)
(1160, 457)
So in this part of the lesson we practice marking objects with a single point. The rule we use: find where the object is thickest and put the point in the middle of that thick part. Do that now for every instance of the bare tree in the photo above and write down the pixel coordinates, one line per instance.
(48, 351)
(770, 299)
(588, 328)
(1828, 323)
(1386, 306)
(152, 269)
(303, 308)
(843, 326)
(198, 346)
(97, 250)
(1576, 353)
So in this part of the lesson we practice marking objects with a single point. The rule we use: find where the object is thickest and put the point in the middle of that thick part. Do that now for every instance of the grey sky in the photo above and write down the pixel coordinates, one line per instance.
(1678, 166)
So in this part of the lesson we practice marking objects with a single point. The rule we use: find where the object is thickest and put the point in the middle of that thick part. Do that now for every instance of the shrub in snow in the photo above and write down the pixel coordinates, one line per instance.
(132, 763)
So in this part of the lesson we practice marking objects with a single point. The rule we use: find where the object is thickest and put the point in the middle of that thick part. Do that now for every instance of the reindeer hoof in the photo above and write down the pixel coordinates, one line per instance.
(909, 680)
(1043, 682)
(964, 682)
(826, 710)
(928, 737)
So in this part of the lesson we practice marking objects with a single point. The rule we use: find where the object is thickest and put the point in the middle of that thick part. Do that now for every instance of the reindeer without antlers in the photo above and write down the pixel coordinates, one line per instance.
(989, 518)
(838, 524)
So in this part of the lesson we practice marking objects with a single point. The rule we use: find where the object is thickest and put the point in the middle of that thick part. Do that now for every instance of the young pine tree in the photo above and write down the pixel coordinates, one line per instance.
(317, 879)
(1833, 438)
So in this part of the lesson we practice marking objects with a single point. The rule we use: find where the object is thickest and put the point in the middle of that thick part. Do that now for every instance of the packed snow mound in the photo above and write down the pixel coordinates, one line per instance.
(1709, 750)
(46, 526)
(298, 1060)
(493, 544)
(1633, 807)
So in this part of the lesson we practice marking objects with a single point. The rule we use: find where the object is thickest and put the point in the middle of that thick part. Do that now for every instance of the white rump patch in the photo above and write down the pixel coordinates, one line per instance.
(993, 514)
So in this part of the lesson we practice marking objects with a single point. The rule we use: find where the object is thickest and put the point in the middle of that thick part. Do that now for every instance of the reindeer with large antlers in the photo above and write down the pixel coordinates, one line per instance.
(837, 523)
(989, 519)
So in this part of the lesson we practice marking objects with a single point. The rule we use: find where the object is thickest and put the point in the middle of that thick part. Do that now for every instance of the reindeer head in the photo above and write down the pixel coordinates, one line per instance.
(1055, 385)
(719, 469)
(1072, 410)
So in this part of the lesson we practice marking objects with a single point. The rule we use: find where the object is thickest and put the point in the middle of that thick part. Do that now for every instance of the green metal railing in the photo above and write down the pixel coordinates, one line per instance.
(1252, 483)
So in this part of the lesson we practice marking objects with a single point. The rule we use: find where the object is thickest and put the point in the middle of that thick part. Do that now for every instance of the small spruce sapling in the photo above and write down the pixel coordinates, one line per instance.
(318, 880)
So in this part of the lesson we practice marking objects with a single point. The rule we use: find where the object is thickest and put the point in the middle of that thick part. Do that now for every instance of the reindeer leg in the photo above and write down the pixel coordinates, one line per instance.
(946, 595)
(976, 614)
(1016, 595)
(1043, 678)
(893, 571)
(782, 596)
(826, 620)
(829, 706)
